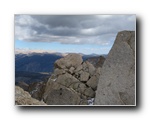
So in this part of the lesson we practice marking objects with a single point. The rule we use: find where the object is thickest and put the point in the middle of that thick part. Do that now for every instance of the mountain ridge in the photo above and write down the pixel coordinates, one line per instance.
(40, 62)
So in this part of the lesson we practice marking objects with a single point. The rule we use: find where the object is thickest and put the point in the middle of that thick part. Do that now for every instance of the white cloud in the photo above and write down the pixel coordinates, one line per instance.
(72, 29)
(88, 31)
(104, 16)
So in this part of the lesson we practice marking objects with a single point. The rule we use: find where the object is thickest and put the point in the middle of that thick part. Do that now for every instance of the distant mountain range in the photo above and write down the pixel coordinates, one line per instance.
(40, 62)
(35, 62)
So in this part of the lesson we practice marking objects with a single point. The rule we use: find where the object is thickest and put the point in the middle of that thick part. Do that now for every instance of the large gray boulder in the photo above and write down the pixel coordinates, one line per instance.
(57, 94)
(116, 84)
(71, 60)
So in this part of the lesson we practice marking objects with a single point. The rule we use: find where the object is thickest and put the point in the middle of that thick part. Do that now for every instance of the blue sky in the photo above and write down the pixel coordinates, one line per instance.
(64, 48)
(85, 34)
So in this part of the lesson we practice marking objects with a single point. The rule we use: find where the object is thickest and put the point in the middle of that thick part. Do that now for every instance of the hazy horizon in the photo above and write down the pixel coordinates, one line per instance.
(29, 51)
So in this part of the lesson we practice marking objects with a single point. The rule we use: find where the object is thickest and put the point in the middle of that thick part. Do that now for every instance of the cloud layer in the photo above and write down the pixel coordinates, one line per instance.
(72, 29)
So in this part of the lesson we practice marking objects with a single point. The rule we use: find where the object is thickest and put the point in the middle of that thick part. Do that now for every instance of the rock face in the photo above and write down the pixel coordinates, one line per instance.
(73, 82)
(116, 84)
(24, 98)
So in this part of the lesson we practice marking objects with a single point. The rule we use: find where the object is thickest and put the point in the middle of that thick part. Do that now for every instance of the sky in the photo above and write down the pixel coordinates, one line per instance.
(85, 34)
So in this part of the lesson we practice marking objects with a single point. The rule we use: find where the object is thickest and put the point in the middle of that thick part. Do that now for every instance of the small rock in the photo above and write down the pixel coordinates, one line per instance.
(92, 82)
(89, 92)
(84, 76)
(85, 67)
(59, 71)
(66, 79)
(83, 102)
(75, 85)
(78, 68)
(91, 68)
(71, 70)
(81, 88)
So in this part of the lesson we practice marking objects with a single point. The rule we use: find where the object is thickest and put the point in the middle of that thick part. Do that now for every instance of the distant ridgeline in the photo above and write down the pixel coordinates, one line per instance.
(35, 62)
(41, 62)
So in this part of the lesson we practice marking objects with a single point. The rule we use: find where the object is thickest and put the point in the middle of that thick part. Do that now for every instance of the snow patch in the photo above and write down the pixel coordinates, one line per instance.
(54, 79)
(33, 91)
(91, 101)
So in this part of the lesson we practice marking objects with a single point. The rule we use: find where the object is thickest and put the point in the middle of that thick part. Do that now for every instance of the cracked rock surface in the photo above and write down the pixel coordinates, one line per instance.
(73, 82)
(116, 85)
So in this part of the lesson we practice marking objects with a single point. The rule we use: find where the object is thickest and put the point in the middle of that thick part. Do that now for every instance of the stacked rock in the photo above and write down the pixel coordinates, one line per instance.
(73, 82)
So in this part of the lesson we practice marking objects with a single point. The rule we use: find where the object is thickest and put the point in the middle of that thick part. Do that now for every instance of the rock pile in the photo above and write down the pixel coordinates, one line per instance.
(73, 82)
(117, 80)
(24, 98)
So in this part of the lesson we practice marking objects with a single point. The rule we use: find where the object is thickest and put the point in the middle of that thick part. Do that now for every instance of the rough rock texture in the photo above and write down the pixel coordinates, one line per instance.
(73, 82)
(57, 94)
(71, 60)
(24, 98)
(92, 82)
(66, 79)
(84, 76)
(116, 84)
